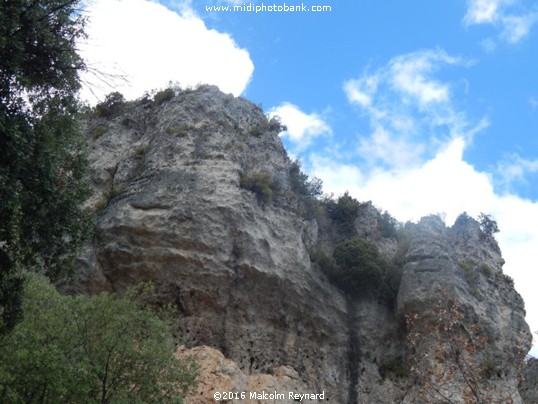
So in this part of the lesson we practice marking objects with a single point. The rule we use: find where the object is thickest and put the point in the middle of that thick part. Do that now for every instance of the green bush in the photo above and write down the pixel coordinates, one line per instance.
(487, 225)
(387, 225)
(361, 265)
(99, 131)
(90, 349)
(259, 183)
(111, 106)
(488, 368)
(301, 184)
(163, 96)
(306, 189)
(344, 211)
(273, 125)
(358, 269)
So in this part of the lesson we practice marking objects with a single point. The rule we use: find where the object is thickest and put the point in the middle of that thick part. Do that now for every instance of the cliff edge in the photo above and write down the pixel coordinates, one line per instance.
(194, 192)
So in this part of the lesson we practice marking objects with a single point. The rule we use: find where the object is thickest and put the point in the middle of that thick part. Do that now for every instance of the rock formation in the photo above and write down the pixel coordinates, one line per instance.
(255, 309)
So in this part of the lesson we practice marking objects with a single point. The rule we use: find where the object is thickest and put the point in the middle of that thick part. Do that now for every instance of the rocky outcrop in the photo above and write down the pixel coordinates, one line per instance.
(529, 384)
(222, 378)
(171, 210)
(457, 274)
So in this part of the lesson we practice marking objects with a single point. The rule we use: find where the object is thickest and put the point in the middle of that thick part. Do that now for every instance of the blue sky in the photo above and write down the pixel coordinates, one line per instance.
(420, 106)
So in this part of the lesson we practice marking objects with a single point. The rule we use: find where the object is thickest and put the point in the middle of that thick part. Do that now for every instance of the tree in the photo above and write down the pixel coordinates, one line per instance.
(100, 349)
(42, 164)
(487, 225)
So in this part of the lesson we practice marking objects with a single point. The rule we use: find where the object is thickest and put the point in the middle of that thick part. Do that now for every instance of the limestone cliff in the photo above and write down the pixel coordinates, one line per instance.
(171, 209)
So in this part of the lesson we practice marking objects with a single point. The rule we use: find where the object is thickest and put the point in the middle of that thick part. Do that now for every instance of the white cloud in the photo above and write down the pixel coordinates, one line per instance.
(446, 183)
(152, 45)
(411, 75)
(418, 139)
(392, 151)
(514, 169)
(500, 13)
(516, 28)
(410, 111)
(302, 127)
(484, 11)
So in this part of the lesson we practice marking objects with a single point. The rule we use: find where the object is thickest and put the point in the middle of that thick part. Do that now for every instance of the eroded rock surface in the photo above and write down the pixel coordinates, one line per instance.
(254, 308)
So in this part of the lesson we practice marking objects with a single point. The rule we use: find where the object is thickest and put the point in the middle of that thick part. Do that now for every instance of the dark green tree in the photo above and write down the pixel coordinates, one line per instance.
(488, 225)
(42, 165)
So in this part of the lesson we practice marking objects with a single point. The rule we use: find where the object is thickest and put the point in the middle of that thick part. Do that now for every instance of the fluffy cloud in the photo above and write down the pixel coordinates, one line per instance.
(514, 169)
(516, 27)
(302, 127)
(513, 27)
(446, 183)
(139, 45)
(418, 138)
(408, 109)
(484, 11)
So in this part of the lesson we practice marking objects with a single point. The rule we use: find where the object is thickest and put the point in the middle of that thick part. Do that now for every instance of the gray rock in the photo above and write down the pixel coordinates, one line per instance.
(171, 211)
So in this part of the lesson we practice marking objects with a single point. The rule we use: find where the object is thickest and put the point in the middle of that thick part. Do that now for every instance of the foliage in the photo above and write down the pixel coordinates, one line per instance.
(38, 50)
(111, 106)
(404, 243)
(306, 189)
(302, 184)
(458, 359)
(357, 268)
(360, 263)
(487, 225)
(274, 125)
(163, 96)
(259, 183)
(99, 131)
(99, 349)
(344, 211)
(42, 164)
(387, 225)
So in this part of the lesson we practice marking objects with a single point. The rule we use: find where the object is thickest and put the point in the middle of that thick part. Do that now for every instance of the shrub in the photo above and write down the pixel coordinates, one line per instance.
(487, 225)
(163, 96)
(361, 265)
(90, 349)
(99, 131)
(273, 125)
(344, 211)
(387, 225)
(306, 189)
(140, 151)
(259, 183)
(486, 270)
(301, 184)
(111, 106)
(358, 269)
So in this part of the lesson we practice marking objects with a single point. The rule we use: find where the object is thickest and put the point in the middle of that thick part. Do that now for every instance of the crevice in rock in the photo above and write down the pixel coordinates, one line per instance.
(353, 351)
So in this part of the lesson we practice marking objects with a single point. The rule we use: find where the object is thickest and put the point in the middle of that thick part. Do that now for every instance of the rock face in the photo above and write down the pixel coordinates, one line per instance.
(171, 210)
(529, 385)
(220, 375)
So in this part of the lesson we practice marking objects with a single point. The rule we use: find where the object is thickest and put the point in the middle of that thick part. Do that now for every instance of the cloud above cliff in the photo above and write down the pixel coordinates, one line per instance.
(302, 128)
(410, 111)
(412, 161)
(137, 45)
